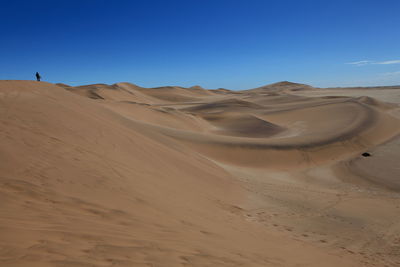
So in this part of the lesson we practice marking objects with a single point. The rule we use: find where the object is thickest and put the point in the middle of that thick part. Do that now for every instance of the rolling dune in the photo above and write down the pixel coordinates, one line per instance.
(121, 175)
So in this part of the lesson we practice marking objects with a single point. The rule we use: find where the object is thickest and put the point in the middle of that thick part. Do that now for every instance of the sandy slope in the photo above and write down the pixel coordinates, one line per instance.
(120, 175)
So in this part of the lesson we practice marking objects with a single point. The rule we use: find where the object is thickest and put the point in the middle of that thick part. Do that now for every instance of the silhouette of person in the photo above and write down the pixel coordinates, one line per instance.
(38, 76)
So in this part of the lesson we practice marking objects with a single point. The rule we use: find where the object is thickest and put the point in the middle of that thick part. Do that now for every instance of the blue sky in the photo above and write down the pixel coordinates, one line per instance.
(233, 44)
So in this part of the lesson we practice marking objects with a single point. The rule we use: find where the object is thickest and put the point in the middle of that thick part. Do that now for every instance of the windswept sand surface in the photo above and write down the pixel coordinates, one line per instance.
(120, 175)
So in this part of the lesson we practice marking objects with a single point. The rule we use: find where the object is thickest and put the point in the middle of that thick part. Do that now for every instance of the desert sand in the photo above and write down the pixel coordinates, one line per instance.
(121, 175)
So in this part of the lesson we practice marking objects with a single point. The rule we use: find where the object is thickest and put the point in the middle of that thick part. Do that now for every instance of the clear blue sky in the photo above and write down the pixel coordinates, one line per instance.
(235, 44)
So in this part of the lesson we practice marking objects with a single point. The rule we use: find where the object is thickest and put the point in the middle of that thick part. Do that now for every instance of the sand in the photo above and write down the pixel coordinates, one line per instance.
(121, 175)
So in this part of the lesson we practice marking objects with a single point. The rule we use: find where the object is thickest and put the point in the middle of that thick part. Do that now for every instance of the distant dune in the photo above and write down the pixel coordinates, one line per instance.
(122, 175)
(280, 87)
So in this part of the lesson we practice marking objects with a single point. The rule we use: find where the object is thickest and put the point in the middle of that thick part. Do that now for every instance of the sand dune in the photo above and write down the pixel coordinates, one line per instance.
(121, 175)
(242, 125)
(284, 86)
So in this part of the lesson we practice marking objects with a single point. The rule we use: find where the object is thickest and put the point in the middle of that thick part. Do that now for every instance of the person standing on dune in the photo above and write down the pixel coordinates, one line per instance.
(38, 76)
